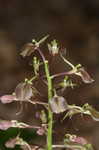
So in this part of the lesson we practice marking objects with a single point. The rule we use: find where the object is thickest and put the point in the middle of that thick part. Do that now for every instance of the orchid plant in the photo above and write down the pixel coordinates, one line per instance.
(56, 104)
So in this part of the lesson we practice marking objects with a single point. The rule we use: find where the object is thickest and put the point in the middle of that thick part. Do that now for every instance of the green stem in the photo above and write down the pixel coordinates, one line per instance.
(50, 114)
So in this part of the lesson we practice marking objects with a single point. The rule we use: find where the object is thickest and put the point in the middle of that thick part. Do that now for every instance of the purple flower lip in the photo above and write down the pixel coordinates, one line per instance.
(7, 98)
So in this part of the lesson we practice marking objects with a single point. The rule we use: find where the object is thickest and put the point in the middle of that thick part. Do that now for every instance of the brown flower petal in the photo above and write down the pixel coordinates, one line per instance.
(58, 104)
(23, 91)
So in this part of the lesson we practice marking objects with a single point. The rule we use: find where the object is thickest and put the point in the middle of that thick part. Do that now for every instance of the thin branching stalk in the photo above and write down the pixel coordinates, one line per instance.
(78, 147)
(39, 103)
(73, 71)
(67, 62)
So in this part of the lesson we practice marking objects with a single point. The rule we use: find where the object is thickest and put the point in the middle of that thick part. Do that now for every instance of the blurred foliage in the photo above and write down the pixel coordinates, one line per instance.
(25, 134)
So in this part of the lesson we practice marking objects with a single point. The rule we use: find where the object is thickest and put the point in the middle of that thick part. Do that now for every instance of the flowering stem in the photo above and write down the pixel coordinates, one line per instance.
(50, 114)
